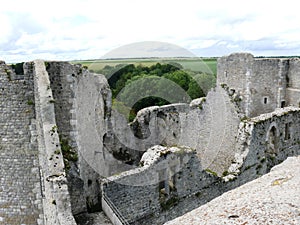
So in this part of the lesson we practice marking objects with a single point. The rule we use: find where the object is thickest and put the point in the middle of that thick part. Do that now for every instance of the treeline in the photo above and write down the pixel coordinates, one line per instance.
(135, 87)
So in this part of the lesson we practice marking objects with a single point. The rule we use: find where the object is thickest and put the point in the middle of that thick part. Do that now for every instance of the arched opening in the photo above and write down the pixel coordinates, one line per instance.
(272, 146)
(273, 140)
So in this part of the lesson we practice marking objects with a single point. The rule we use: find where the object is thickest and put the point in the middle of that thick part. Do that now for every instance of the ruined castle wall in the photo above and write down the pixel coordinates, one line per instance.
(261, 83)
(293, 90)
(90, 123)
(210, 128)
(267, 140)
(271, 199)
(60, 75)
(294, 73)
(20, 188)
(268, 85)
(62, 78)
(207, 125)
(82, 103)
(232, 70)
(293, 96)
(165, 177)
(235, 72)
(56, 201)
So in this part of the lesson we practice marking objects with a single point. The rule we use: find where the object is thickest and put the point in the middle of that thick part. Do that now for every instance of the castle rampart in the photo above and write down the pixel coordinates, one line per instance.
(56, 199)
(20, 192)
(60, 137)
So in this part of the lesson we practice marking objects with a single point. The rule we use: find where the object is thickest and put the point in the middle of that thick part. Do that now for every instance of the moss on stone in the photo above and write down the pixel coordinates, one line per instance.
(211, 172)
(166, 205)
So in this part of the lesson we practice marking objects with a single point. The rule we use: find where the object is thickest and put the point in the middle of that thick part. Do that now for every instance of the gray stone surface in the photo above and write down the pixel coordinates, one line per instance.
(263, 83)
(97, 218)
(271, 199)
(228, 142)
(20, 188)
(166, 176)
(56, 199)
(234, 135)
(208, 125)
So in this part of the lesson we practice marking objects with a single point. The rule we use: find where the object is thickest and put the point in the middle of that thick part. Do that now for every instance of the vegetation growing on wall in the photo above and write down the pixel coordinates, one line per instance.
(18, 68)
(69, 154)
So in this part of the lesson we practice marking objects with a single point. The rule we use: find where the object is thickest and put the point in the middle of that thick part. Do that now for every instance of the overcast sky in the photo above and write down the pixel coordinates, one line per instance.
(88, 29)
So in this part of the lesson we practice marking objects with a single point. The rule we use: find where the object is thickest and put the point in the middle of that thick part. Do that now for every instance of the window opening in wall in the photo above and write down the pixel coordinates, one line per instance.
(272, 147)
(161, 179)
(265, 100)
(282, 104)
(172, 178)
(287, 135)
(273, 140)
(163, 182)
(287, 81)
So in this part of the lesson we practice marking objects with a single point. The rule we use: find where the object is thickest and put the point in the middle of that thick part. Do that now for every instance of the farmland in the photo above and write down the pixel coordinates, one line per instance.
(204, 65)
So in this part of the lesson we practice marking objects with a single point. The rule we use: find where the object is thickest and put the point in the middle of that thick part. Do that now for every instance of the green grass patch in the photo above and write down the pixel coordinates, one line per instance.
(205, 65)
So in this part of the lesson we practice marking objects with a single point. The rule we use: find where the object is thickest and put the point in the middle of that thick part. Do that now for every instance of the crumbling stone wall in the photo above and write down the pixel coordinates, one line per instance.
(293, 82)
(263, 84)
(242, 149)
(69, 101)
(20, 187)
(82, 103)
(271, 199)
(62, 78)
(165, 177)
(260, 83)
(56, 199)
(294, 73)
(208, 125)
(264, 142)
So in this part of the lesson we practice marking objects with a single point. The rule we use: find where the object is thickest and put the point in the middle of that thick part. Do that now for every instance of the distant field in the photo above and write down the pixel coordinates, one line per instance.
(206, 65)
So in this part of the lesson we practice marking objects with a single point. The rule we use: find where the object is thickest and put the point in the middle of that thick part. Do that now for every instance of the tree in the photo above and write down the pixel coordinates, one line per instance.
(180, 77)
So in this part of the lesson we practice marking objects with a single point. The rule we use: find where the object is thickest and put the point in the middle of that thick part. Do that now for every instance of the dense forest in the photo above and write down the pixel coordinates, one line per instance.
(137, 86)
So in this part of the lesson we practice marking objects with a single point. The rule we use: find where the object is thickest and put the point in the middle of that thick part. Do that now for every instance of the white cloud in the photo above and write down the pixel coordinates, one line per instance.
(90, 28)
(6, 30)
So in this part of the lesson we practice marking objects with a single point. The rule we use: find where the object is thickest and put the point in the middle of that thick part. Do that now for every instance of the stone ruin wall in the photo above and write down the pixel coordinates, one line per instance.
(207, 125)
(261, 143)
(264, 84)
(20, 187)
(82, 113)
(61, 80)
(264, 142)
(33, 186)
(168, 177)
(293, 87)
(54, 188)
(255, 144)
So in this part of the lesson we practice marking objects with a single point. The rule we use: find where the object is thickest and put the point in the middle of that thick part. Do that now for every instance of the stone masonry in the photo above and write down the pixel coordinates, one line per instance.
(239, 132)
(20, 187)
(271, 199)
(66, 152)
